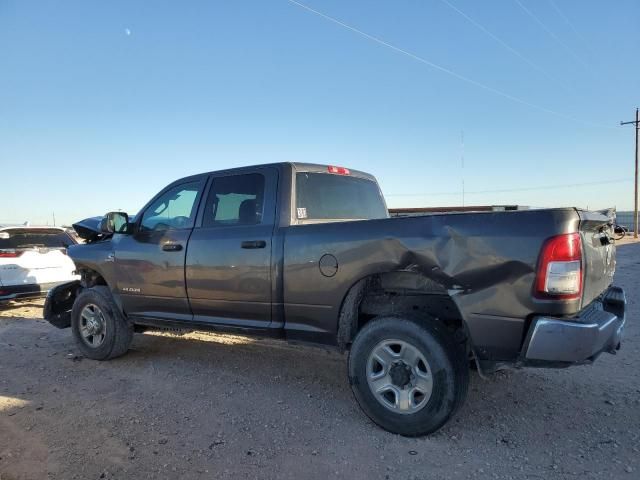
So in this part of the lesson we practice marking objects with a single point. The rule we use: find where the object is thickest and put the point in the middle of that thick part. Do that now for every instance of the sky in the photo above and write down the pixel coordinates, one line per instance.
(102, 104)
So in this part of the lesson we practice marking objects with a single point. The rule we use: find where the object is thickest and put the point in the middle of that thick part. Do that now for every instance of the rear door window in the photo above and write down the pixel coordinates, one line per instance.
(235, 200)
(324, 196)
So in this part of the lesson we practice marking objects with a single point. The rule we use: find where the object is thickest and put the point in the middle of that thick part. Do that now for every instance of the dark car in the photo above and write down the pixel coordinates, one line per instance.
(307, 253)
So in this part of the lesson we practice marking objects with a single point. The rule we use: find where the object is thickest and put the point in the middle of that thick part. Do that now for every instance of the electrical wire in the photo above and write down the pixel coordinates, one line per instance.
(551, 34)
(448, 71)
(568, 22)
(512, 190)
(511, 49)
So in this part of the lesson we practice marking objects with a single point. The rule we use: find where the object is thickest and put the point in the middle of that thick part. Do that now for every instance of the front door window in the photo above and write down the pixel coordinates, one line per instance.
(174, 209)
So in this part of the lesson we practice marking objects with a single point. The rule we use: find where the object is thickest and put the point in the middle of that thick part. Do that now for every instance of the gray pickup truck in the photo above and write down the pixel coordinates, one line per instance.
(308, 253)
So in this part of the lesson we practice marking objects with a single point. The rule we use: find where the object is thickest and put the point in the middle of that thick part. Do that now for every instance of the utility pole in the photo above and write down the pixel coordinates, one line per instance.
(635, 122)
(462, 161)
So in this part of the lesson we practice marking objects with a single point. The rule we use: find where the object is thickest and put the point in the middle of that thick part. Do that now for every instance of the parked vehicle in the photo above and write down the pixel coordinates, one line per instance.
(308, 253)
(33, 260)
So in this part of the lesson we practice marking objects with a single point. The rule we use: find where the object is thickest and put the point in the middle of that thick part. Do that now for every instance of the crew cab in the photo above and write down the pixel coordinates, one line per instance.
(308, 253)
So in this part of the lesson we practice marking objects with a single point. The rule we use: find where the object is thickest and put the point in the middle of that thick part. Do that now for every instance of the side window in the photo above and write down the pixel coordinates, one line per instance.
(235, 200)
(175, 208)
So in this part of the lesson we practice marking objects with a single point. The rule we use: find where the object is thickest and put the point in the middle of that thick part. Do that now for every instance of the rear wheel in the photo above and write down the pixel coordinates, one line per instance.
(408, 375)
(100, 330)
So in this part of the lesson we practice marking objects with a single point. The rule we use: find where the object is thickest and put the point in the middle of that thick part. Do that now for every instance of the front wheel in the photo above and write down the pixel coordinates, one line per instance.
(408, 375)
(100, 330)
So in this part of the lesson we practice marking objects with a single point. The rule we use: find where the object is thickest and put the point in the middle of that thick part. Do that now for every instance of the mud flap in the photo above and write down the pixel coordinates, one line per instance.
(57, 306)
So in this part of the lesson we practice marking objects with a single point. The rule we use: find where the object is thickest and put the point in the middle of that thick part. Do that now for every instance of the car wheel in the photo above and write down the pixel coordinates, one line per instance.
(408, 375)
(100, 330)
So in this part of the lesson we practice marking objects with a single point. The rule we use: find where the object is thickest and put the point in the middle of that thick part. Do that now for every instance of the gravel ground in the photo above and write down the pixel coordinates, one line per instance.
(214, 406)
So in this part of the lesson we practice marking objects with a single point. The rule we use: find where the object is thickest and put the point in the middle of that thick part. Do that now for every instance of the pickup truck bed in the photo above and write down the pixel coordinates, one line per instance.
(308, 253)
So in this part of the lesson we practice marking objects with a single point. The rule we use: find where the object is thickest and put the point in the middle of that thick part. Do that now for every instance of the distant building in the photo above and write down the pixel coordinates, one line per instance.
(413, 211)
(625, 219)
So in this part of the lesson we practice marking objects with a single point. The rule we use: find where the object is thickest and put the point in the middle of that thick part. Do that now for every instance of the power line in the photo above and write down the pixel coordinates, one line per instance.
(512, 190)
(506, 45)
(553, 35)
(446, 70)
(568, 22)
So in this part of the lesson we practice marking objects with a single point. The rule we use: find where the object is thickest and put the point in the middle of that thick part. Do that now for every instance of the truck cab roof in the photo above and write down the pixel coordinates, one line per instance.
(293, 166)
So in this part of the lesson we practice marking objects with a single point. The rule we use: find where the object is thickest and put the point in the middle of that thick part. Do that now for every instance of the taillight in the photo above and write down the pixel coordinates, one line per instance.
(559, 273)
(10, 253)
(339, 170)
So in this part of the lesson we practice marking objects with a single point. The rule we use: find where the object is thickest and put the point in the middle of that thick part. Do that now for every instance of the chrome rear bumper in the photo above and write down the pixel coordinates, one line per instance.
(596, 329)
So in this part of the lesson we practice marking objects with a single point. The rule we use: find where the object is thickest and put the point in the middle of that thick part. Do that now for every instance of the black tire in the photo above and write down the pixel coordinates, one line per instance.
(447, 361)
(118, 332)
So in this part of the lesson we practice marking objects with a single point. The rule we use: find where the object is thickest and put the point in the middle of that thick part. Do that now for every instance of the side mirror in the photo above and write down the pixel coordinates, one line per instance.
(115, 222)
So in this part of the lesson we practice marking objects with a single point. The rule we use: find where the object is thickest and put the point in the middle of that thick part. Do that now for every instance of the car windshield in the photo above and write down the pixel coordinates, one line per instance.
(23, 238)
(323, 196)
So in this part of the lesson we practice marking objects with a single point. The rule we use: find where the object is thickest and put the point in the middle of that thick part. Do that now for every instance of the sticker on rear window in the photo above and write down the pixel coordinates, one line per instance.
(302, 213)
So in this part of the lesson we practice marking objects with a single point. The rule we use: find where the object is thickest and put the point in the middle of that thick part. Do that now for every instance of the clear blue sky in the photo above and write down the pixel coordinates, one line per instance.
(102, 103)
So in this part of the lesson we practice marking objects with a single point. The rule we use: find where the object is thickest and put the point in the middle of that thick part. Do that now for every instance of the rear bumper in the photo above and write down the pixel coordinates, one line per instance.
(23, 292)
(596, 329)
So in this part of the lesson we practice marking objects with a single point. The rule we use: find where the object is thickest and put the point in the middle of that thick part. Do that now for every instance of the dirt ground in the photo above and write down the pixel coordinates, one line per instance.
(211, 406)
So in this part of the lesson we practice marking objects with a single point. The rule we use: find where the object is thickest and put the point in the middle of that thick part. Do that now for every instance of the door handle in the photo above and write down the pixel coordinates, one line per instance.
(254, 244)
(171, 247)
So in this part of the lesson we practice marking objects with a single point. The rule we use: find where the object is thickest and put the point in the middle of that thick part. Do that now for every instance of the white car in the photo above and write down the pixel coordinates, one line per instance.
(33, 260)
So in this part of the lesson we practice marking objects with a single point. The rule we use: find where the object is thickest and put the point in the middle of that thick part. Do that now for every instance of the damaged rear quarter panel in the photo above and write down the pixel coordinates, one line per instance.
(486, 261)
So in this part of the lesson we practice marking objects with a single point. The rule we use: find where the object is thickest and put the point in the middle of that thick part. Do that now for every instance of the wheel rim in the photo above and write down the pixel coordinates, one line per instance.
(93, 326)
(399, 376)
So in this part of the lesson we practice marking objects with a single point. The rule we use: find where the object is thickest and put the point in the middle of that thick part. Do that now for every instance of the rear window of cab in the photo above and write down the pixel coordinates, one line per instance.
(325, 196)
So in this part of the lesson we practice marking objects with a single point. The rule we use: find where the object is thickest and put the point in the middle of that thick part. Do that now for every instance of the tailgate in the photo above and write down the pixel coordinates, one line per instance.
(596, 229)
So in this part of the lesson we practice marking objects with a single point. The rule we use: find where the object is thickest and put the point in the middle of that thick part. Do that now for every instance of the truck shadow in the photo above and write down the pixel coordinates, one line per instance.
(510, 406)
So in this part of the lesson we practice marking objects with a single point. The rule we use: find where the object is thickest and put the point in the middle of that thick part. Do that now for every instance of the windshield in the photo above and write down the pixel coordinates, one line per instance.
(323, 196)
